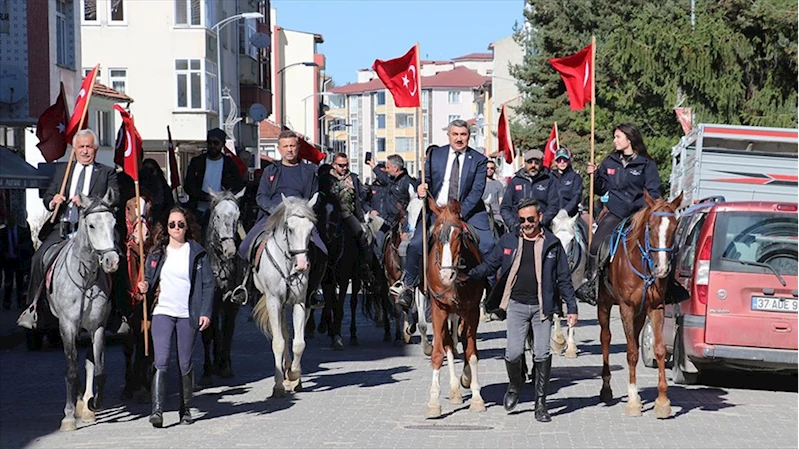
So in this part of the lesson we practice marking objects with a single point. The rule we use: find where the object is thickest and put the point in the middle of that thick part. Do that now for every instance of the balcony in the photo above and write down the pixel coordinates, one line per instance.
(251, 94)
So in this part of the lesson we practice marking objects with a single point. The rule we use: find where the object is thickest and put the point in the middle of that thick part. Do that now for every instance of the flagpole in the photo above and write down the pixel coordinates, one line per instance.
(140, 218)
(591, 176)
(557, 137)
(423, 160)
(72, 153)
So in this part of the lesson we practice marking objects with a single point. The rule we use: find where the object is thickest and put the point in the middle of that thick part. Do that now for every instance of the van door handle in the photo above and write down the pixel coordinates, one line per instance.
(781, 327)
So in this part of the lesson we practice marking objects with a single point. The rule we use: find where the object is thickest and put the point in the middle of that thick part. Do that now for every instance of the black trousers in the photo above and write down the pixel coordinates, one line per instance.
(603, 230)
(37, 271)
(12, 269)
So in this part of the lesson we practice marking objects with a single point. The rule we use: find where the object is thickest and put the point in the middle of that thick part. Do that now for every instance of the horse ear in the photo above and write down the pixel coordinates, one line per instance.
(431, 202)
(213, 193)
(85, 201)
(676, 202)
(241, 193)
(283, 198)
(312, 201)
(110, 197)
(649, 201)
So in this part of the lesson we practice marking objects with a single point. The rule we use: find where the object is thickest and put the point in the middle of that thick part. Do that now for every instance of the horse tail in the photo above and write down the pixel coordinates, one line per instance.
(260, 314)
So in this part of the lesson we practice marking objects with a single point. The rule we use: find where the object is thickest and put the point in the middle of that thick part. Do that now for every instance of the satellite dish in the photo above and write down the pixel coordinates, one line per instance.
(260, 40)
(13, 84)
(257, 112)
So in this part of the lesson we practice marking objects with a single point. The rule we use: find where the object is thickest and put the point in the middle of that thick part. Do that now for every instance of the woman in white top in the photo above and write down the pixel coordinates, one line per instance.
(179, 281)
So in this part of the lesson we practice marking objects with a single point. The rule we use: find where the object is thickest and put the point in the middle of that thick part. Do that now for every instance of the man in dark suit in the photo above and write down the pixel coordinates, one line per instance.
(452, 172)
(16, 249)
(88, 177)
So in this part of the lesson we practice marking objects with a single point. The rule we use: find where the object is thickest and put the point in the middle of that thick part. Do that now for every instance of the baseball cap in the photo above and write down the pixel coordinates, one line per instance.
(533, 154)
(563, 152)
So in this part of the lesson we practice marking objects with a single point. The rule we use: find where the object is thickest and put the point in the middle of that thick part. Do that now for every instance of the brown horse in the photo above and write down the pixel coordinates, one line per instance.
(636, 280)
(453, 249)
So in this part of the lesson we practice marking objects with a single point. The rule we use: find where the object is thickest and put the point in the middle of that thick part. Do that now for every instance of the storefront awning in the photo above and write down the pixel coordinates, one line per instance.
(15, 173)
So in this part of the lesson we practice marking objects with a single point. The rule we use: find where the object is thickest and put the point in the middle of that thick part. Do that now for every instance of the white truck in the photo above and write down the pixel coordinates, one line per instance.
(739, 163)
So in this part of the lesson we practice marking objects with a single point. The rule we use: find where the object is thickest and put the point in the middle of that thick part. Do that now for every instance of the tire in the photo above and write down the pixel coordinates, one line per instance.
(678, 376)
(647, 345)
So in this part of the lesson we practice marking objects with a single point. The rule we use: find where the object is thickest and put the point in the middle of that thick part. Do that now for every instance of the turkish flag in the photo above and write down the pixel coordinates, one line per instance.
(686, 118)
(130, 145)
(552, 146)
(174, 173)
(401, 77)
(310, 153)
(240, 165)
(51, 129)
(81, 104)
(503, 134)
(576, 73)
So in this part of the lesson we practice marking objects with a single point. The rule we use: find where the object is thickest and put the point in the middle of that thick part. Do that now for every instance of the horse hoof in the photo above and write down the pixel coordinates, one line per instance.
(433, 411)
(605, 395)
(88, 416)
(297, 387)
(466, 382)
(293, 376)
(68, 425)
(455, 398)
(427, 348)
(662, 411)
(477, 405)
(571, 353)
(94, 404)
(338, 344)
(353, 341)
(633, 409)
(406, 335)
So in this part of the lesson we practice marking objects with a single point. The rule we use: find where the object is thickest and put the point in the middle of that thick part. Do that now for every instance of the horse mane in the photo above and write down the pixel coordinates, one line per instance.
(640, 218)
(222, 196)
(450, 215)
(291, 206)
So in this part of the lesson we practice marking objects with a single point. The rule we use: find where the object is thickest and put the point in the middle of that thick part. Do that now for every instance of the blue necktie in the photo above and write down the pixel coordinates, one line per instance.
(73, 210)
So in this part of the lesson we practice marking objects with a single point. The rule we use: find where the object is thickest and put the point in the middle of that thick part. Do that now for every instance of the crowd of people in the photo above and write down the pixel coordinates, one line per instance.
(510, 219)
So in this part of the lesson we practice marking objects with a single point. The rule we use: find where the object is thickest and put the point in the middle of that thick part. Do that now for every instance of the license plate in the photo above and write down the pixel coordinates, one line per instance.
(773, 304)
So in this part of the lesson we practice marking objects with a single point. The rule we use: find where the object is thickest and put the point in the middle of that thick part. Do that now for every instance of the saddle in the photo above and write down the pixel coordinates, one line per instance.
(52, 254)
(257, 248)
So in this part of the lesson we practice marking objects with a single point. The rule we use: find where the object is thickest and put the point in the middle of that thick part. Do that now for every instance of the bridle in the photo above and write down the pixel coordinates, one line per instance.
(448, 294)
(289, 254)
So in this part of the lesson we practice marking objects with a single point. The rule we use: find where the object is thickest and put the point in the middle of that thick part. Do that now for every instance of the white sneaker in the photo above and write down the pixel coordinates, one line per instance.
(397, 288)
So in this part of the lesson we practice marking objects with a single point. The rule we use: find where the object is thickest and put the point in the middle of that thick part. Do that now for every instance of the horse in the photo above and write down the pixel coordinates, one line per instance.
(636, 280)
(79, 298)
(138, 366)
(572, 237)
(282, 277)
(220, 242)
(453, 250)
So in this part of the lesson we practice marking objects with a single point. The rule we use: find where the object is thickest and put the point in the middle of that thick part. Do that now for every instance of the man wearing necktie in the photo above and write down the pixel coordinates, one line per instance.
(88, 177)
(452, 172)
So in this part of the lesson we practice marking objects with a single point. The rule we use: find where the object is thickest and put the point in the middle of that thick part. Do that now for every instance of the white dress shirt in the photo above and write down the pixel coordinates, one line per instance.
(87, 178)
(443, 195)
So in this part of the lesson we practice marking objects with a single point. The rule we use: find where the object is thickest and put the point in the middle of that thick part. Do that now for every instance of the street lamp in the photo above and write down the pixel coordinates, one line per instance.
(216, 29)
(282, 77)
(305, 107)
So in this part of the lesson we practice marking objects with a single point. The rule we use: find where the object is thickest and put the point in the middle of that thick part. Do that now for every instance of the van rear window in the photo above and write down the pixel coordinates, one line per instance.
(744, 242)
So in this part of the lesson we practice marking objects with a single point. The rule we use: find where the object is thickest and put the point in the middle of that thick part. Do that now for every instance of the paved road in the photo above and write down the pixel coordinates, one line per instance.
(374, 395)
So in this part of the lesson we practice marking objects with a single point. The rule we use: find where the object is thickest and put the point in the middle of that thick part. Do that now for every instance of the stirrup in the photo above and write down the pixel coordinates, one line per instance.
(239, 292)
(397, 288)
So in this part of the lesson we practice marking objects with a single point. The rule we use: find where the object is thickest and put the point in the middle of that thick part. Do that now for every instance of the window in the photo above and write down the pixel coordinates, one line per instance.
(425, 99)
(404, 144)
(246, 31)
(353, 104)
(187, 12)
(425, 123)
(89, 10)
(743, 242)
(189, 77)
(103, 127)
(353, 127)
(380, 121)
(691, 241)
(117, 11)
(410, 168)
(380, 98)
(339, 146)
(353, 148)
(119, 79)
(452, 118)
(405, 120)
(210, 12)
(98, 78)
(336, 101)
(381, 145)
(454, 96)
(211, 88)
(63, 19)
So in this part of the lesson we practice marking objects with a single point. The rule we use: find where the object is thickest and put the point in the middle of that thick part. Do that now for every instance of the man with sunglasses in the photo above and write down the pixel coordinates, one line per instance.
(211, 170)
(534, 277)
(532, 181)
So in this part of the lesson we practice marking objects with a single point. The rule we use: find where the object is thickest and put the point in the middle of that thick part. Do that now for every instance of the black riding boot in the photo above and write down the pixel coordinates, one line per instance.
(587, 291)
(186, 393)
(158, 393)
(405, 299)
(515, 381)
(542, 372)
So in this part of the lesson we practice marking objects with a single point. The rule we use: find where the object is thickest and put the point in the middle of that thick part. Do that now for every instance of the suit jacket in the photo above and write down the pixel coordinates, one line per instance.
(193, 181)
(472, 181)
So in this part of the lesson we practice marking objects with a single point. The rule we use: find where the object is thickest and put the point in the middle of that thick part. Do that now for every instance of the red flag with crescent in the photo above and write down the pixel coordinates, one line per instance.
(131, 144)
(576, 73)
(51, 129)
(81, 104)
(552, 146)
(503, 134)
(401, 77)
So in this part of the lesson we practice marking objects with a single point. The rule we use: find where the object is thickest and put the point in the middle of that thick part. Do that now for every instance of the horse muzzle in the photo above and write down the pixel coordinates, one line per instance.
(109, 261)
(300, 263)
(661, 271)
(447, 276)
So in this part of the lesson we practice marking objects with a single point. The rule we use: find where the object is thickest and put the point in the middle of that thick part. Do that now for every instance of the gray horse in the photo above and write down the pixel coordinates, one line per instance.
(220, 242)
(78, 297)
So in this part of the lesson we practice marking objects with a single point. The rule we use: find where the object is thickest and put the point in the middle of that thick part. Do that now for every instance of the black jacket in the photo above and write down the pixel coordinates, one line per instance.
(203, 285)
(193, 181)
(396, 193)
(625, 185)
(555, 277)
(541, 187)
(570, 189)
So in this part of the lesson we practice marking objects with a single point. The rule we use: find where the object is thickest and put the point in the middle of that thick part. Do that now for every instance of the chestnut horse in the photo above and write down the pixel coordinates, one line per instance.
(636, 280)
(452, 250)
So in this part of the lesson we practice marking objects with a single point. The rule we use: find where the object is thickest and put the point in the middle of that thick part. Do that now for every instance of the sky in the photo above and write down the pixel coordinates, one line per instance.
(357, 32)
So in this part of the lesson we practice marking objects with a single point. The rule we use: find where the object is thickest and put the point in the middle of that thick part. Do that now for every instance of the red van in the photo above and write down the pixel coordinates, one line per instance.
(738, 260)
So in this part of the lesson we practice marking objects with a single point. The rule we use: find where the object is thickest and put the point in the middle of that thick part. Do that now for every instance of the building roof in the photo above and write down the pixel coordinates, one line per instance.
(475, 57)
(269, 129)
(106, 92)
(462, 77)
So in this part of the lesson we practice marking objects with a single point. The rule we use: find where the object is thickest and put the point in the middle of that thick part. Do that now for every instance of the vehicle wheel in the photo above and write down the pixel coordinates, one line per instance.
(647, 345)
(678, 376)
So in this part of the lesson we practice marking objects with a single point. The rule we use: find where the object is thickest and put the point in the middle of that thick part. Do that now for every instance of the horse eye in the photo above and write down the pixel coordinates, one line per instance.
(91, 226)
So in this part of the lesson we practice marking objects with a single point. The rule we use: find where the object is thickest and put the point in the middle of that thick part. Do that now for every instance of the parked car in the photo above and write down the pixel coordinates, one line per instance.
(738, 260)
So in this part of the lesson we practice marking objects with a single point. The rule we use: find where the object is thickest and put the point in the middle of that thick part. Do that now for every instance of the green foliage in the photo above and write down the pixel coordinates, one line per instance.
(737, 66)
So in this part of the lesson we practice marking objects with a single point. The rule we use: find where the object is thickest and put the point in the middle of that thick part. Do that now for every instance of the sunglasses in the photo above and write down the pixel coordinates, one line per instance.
(533, 161)
(214, 142)
(179, 224)
(561, 160)
(490, 168)
(341, 165)
(528, 219)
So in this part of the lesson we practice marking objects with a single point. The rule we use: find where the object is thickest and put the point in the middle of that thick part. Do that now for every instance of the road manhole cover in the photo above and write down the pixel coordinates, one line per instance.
(448, 427)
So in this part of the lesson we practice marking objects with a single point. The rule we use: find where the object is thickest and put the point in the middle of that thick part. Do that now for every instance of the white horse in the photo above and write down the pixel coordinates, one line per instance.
(414, 210)
(568, 232)
(282, 277)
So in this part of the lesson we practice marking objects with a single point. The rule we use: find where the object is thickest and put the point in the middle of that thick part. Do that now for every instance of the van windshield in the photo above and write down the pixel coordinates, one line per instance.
(759, 238)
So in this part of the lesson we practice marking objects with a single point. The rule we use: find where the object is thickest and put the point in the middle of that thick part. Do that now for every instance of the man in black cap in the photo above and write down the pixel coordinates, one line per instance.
(532, 181)
(211, 170)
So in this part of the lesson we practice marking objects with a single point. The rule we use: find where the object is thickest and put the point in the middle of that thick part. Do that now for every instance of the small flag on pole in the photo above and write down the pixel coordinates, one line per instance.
(552, 146)
(81, 104)
(131, 144)
(401, 77)
(576, 73)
